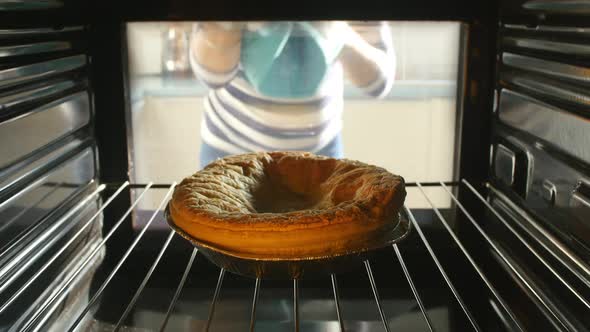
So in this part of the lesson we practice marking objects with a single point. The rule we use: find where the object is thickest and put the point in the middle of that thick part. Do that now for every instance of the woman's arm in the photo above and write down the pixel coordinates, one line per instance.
(215, 52)
(369, 65)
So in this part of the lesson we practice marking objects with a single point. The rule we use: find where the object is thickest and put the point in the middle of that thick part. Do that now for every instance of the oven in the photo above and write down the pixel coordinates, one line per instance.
(499, 242)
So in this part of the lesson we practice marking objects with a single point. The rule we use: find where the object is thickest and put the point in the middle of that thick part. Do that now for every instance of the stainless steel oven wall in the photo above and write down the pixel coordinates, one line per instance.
(540, 153)
(48, 171)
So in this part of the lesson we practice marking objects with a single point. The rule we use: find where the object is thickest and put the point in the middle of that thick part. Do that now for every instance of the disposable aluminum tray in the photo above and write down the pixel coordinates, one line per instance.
(297, 267)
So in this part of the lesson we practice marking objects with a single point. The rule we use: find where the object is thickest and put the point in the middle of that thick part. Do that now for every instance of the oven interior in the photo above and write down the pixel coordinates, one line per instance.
(501, 244)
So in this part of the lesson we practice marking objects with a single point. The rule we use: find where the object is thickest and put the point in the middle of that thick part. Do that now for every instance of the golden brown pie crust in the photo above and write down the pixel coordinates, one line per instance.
(287, 204)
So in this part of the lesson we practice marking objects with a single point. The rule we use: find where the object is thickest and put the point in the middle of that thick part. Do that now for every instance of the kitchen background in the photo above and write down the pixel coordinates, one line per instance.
(410, 132)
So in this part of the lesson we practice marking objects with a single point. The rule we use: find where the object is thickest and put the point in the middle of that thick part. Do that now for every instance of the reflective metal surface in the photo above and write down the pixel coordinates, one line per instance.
(559, 6)
(112, 274)
(60, 313)
(26, 241)
(545, 303)
(38, 31)
(580, 206)
(549, 192)
(18, 5)
(504, 164)
(50, 214)
(376, 296)
(216, 296)
(28, 49)
(555, 215)
(546, 45)
(336, 302)
(145, 280)
(559, 320)
(145, 287)
(548, 28)
(560, 296)
(317, 314)
(56, 256)
(443, 272)
(413, 287)
(28, 304)
(505, 309)
(414, 298)
(512, 164)
(24, 134)
(531, 247)
(17, 75)
(581, 195)
(179, 287)
(561, 92)
(41, 197)
(13, 178)
(551, 68)
(32, 94)
(568, 132)
(543, 110)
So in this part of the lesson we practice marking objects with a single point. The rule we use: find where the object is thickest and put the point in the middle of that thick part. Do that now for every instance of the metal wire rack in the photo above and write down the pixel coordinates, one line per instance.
(500, 302)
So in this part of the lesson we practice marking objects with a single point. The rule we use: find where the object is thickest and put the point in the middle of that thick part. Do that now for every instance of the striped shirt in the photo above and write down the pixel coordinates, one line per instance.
(238, 119)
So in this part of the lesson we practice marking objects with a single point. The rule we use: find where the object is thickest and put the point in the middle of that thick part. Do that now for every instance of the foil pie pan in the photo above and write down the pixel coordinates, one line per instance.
(297, 267)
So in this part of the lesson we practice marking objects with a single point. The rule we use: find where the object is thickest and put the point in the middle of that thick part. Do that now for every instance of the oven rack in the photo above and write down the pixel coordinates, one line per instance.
(501, 302)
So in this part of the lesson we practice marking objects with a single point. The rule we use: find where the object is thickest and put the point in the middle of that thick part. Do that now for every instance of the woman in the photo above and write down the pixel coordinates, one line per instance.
(279, 86)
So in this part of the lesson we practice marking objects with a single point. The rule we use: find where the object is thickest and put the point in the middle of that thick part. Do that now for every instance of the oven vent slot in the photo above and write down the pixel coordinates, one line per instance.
(572, 73)
(29, 5)
(548, 46)
(559, 6)
(26, 134)
(40, 70)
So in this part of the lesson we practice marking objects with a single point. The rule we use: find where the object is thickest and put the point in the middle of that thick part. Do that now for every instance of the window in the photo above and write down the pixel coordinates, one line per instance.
(409, 130)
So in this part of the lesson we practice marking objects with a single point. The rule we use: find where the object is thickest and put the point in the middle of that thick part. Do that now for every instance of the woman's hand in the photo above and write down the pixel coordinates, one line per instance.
(368, 67)
(223, 35)
(215, 51)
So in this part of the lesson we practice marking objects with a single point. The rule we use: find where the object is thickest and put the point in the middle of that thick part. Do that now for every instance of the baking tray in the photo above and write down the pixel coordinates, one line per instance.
(294, 268)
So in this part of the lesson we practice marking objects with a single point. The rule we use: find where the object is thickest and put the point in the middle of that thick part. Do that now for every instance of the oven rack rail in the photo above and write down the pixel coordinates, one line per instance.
(504, 311)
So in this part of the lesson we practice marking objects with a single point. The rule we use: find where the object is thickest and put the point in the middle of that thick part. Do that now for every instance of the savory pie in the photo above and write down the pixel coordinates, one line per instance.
(287, 205)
